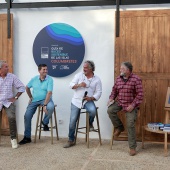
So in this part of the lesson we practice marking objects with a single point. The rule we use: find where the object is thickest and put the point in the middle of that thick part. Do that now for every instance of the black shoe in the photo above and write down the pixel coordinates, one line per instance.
(91, 127)
(25, 140)
(45, 128)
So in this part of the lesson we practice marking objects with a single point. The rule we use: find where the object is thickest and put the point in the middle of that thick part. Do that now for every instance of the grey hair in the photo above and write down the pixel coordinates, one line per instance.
(91, 64)
(128, 65)
(1, 63)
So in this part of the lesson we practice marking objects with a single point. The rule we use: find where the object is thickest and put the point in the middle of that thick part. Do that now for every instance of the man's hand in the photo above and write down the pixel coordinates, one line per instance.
(30, 100)
(45, 109)
(130, 108)
(83, 84)
(13, 99)
(110, 102)
(88, 98)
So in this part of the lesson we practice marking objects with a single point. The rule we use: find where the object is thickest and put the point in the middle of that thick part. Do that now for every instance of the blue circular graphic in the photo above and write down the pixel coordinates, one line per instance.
(61, 47)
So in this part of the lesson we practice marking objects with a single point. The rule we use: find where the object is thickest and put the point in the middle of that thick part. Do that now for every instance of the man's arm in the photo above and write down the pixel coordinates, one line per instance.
(139, 96)
(19, 86)
(29, 93)
(74, 83)
(16, 97)
(48, 96)
(47, 99)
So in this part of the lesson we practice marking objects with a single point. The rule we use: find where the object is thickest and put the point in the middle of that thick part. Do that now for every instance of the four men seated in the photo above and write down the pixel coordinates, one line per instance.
(126, 95)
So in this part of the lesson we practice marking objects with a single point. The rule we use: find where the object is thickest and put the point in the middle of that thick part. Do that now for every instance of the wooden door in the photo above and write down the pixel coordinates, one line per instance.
(145, 42)
(6, 53)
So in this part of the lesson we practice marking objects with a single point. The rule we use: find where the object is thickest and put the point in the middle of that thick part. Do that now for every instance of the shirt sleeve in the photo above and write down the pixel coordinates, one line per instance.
(98, 91)
(74, 81)
(139, 94)
(50, 84)
(18, 84)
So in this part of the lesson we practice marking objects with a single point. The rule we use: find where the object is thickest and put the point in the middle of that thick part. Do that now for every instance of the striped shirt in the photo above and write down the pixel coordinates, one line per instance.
(6, 89)
(128, 92)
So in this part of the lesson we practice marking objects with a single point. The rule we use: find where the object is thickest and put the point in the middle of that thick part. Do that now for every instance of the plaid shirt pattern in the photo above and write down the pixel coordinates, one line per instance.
(6, 89)
(128, 92)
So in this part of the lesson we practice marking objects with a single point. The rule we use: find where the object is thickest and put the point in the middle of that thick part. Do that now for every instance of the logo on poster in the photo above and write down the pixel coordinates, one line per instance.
(61, 47)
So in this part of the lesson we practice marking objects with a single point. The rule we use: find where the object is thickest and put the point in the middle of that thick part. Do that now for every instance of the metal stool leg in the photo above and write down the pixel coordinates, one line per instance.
(56, 127)
(111, 142)
(77, 128)
(41, 112)
(51, 120)
(87, 127)
(97, 119)
(38, 117)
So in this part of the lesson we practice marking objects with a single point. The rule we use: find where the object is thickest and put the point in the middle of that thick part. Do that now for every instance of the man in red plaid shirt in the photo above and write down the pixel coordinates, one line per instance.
(126, 95)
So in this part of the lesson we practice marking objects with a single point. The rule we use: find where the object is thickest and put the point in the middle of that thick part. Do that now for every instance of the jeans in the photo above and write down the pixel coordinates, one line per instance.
(10, 111)
(75, 112)
(31, 108)
(130, 122)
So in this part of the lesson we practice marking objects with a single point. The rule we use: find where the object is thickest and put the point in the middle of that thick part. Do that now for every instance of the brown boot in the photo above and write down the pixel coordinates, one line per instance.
(69, 144)
(118, 132)
(132, 152)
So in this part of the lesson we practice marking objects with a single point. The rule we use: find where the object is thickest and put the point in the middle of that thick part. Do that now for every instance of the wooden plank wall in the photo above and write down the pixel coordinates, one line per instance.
(6, 53)
(145, 41)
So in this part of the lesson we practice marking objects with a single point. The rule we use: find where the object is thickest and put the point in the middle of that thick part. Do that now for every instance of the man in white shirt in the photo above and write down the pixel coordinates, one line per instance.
(87, 89)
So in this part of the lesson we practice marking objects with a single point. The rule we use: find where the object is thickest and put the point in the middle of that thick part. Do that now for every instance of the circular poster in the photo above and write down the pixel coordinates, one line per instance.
(61, 47)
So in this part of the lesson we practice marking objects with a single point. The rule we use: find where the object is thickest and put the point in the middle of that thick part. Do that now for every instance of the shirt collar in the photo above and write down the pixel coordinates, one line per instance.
(44, 79)
(91, 77)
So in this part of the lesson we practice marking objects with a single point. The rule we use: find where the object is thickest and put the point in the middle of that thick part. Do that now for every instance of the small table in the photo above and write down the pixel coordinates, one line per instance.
(156, 131)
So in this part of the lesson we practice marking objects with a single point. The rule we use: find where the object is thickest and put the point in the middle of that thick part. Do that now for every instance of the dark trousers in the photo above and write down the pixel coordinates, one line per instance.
(130, 122)
(10, 111)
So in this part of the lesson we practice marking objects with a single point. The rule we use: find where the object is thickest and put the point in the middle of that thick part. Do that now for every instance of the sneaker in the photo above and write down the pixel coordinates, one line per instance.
(118, 132)
(132, 152)
(91, 127)
(14, 143)
(25, 140)
(45, 128)
(69, 144)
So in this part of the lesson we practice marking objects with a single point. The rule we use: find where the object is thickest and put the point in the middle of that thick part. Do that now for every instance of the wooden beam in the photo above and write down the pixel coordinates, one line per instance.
(81, 3)
(117, 18)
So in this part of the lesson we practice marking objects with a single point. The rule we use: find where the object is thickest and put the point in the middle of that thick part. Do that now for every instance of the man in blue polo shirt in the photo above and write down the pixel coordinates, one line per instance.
(42, 87)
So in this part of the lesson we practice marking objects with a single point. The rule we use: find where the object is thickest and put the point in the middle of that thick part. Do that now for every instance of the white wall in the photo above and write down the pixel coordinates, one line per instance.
(97, 27)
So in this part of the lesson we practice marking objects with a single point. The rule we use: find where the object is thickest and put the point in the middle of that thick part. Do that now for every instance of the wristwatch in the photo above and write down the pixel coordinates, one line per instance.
(16, 97)
(44, 105)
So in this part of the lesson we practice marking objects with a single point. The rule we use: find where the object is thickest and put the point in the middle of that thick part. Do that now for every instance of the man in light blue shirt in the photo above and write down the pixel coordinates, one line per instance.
(42, 87)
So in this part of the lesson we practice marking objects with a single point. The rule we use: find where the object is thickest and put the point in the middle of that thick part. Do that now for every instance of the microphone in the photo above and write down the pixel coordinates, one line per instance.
(85, 94)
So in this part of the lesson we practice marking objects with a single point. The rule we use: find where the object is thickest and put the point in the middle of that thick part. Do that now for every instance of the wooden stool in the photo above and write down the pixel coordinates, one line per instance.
(39, 124)
(1, 112)
(167, 113)
(112, 138)
(87, 127)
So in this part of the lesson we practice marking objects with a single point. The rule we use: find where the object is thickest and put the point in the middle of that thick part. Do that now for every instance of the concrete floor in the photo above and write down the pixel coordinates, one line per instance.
(45, 156)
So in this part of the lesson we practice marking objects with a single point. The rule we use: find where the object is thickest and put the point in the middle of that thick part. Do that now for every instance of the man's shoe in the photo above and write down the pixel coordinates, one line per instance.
(132, 152)
(25, 140)
(91, 127)
(45, 128)
(14, 143)
(118, 132)
(69, 144)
